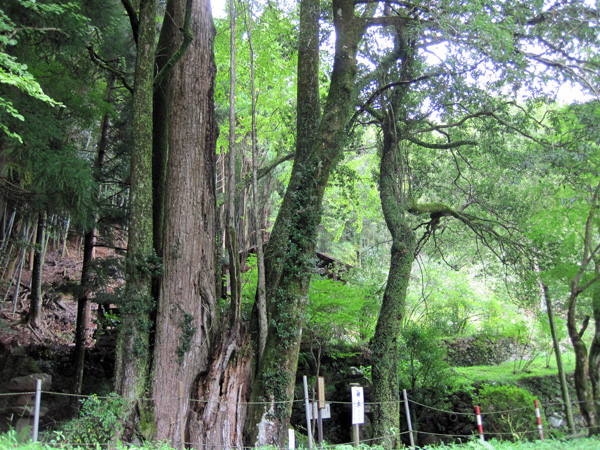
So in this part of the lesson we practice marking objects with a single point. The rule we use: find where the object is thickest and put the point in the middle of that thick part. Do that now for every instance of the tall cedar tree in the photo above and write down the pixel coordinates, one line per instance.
(187, 311)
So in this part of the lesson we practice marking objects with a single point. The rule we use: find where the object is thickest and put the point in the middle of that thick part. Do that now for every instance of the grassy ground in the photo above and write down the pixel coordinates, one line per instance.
(505, 373)
(574, 444)
(9, 442)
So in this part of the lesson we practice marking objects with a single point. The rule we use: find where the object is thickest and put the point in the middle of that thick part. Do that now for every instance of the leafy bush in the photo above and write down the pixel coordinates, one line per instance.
(99, 421)
(423, 358)
(12, 439)
(508, 412)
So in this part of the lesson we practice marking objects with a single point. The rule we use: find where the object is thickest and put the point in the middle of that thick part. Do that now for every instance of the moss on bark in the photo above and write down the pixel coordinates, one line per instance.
(289, 256)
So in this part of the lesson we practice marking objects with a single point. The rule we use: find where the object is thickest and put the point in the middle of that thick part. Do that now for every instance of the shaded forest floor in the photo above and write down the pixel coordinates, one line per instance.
(59, 312)
(49, 348)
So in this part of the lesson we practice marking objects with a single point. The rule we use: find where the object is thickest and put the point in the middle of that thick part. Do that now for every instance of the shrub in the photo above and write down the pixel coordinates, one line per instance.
(508, 412)
(99, 421)
(423, 356)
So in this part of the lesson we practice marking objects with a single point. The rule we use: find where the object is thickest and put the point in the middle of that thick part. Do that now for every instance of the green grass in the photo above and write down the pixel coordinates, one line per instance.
(8, 441)
(504, 373)
(574, 444)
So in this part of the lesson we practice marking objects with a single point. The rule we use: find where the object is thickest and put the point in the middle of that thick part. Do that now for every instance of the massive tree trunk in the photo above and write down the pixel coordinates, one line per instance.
(221, 395)
(386, 390)
(220, 392)
(289, 254)
(131, 369)
(187, 310)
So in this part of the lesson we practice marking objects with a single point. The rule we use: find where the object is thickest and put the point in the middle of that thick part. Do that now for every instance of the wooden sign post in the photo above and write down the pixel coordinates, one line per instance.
(320, 407)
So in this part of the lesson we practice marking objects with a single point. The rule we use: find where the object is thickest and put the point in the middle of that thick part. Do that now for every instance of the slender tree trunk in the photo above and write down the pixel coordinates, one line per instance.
(167, 45)
(556, 345)
(583, 385)
(585, 367)
(89, 243)
(235, 272)
(261, 301)
(131, 369)
(386, 389)
(35, 304)
(289, 254)
(187, 311)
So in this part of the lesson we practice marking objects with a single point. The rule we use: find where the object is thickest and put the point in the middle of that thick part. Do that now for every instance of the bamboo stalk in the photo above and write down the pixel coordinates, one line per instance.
(64, 247)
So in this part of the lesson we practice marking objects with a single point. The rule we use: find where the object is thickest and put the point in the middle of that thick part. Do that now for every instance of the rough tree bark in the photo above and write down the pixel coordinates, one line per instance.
(386, 389)
(187, 310)
(395, 202)
(220, 393)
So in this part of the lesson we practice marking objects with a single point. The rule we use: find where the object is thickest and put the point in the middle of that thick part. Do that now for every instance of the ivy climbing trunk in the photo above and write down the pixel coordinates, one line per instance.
(187, 309)
(131, 371)
(289, 255)
(395, 203)
(386, 390)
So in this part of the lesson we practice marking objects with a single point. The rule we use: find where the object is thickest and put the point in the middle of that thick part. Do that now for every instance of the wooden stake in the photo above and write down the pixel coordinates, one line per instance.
(181, 419)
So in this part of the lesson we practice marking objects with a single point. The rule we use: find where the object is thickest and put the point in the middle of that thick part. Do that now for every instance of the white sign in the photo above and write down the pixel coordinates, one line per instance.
(291, 439)
(358, 405)
(325, 412)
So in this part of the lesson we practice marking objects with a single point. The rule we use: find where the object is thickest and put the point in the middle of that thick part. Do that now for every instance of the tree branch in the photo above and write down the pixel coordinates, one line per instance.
(103, 64)
(446, 146)
(480, 226)
(584, 326)
(133, 18)
(265, 170)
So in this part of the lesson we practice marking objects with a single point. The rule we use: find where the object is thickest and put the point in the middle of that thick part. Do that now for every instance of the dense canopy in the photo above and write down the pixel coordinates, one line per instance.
(291, 178)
